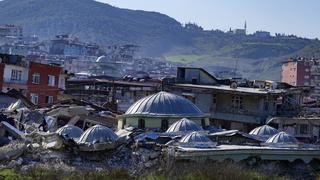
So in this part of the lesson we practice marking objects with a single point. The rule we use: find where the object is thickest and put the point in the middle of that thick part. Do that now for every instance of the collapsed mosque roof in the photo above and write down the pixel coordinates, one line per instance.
(282, 138)
(70, 131)
(164, 104)
(184, 125)
(98, 133)
(264, 131)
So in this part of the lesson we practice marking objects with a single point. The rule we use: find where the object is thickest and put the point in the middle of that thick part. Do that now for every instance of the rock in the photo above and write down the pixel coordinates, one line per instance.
(15, 163)
(154, 155)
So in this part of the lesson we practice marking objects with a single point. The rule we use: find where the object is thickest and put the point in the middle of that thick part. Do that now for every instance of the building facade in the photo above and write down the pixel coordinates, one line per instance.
(302, 72)
(10, 30)
(40, 83)
(228, 106)
(43, 83)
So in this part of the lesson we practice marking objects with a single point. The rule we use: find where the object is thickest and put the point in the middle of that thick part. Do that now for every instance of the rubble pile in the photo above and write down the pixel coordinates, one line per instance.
(82, 137)
(70, 137)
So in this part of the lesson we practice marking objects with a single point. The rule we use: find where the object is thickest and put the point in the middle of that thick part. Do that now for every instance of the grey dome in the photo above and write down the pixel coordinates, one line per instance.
(264, 131)
(101, 59)
(196, 140)
(99, 134)
(164, 104)
(282, 138)
(184, 125)
(70, 131)
(195, 137)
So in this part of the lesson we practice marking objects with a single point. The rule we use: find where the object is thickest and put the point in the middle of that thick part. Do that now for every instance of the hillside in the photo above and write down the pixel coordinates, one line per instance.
(158, 35)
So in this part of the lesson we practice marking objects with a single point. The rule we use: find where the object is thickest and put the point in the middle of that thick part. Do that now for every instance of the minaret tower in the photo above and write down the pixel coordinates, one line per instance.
(245, 26)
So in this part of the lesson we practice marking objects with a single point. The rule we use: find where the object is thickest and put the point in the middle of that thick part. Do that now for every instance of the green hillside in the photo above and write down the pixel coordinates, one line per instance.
(157, 34)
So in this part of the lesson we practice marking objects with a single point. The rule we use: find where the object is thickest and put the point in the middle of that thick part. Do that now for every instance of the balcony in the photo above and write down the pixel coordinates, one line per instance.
(241, 115)
(243, 118)
(10, 81)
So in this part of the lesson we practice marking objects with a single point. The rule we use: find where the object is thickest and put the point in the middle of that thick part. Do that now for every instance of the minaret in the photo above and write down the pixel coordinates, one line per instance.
(245, 26)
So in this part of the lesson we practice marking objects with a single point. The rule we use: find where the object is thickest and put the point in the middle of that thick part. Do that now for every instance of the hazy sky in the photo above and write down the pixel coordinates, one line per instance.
(300, 17)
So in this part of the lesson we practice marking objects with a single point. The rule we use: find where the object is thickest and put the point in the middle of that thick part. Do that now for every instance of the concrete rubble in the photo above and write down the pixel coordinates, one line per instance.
(70, 137)
(82, 136)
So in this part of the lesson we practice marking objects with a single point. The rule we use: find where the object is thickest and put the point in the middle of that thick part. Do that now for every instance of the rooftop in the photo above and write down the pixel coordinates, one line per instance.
(238, 89)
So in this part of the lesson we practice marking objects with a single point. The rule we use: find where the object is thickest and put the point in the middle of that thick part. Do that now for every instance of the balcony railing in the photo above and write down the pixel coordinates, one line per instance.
(11, 81)
(243, 112)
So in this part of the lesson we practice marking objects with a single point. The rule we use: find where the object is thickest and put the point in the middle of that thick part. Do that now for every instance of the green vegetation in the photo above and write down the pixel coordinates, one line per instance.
(184, 59)
(180, 171)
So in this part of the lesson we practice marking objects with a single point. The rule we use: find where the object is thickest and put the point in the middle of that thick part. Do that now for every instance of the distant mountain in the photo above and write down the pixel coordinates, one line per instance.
(93, 21)
(157, 34)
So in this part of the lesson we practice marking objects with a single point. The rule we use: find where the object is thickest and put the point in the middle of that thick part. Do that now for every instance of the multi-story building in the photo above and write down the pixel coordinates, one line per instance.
(302, 72)
(41, 83)
(10, 30)
(14, 73)
(69, 46)
(230, 105)
(120, 93)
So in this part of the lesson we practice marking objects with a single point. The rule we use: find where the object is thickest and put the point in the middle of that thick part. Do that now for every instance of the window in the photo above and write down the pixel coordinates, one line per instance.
(51, 80)
(236, 102)
(203, 123)
(35, 78)
(266, 104)
(304, 129)
(164, 124)
(34, 98)
(49, 99)
(124, 122)
(16, 75)
(214, 98)
(141, 124)
(306, 77)
(194, 81)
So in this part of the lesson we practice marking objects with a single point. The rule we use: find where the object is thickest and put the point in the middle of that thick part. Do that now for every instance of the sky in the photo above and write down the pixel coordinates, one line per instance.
(299, 17)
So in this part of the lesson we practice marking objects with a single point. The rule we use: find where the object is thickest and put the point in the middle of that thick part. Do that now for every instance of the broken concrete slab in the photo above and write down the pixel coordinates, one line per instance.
(14, 132)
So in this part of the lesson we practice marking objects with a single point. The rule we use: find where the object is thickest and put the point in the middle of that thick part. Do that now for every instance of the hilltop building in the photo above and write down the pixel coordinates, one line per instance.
(239, 31)
(262, 34)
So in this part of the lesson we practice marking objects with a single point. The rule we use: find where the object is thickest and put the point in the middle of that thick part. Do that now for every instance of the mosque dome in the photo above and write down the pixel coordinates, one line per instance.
(99, 134)
(196, 140)
(264, 131)
(184, 125)
(195, 137)
(70, 131)
(164, 104)
(282, 138)
(101, 59)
